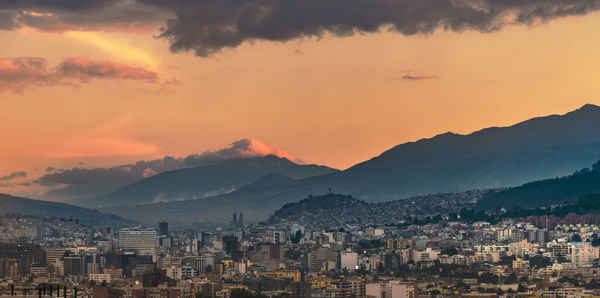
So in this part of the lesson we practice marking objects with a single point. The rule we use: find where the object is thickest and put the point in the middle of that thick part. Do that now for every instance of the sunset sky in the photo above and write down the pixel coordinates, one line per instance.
(95, 87)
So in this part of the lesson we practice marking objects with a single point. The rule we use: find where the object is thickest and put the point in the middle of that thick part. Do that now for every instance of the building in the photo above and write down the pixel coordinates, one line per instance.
(143, 241)
(392, 289)
(53, 254)
(349, 260)
(101, 277)
(243, 266)
(163, 228)
(583, 254)
(74, 265)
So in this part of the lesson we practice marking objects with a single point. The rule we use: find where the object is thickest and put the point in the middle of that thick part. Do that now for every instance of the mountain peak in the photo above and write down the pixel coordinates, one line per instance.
(248, 147)
(589, 107)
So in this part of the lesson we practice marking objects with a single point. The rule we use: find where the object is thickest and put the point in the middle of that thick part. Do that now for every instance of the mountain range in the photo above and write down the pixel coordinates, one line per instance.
(203, 182)
(496, 157)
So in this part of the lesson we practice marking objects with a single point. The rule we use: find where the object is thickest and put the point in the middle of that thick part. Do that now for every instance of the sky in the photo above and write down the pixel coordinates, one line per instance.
(103, 83)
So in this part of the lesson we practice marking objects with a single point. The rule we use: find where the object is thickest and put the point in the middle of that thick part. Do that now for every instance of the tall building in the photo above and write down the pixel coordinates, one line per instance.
(143, 241)
(74, 265)
(583, 254)
(53, 254)
(163, 228)
(20, 256)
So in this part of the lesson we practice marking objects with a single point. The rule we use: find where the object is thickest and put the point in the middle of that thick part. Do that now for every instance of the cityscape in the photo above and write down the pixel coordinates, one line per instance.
(299, 148)
(453, 256)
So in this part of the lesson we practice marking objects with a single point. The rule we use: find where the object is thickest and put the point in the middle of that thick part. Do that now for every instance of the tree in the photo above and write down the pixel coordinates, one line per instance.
(488, 278)
(576, 238)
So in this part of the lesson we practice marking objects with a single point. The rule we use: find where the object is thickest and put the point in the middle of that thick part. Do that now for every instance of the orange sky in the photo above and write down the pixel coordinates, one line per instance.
(333, 101)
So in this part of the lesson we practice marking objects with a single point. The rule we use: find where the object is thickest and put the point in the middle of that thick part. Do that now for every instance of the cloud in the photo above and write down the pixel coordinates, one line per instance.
(418, 77)
(85, 69)
(13, 175)
(79, 182)
(208, 26)
(17, 74)
(20, 73)
(68, 15)
(243, 148)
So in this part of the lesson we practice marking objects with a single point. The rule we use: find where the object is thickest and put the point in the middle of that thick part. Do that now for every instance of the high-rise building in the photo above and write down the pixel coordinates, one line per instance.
(583, 254)
(163, 228)
(18, 255)
(53, 254)
(143, 241)
(74, 265)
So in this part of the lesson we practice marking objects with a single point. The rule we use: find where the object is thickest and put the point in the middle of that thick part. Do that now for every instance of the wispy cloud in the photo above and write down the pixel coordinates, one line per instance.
(13, 175)
(418, 77)
(20, 73)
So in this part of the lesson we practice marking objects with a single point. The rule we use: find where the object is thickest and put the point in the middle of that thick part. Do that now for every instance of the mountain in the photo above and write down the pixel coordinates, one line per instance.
(206, 181)
(496, 157)
(547, 192)
(23, 206)
(77, 183)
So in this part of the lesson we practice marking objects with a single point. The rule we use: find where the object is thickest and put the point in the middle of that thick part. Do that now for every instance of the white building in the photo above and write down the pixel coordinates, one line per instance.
(243, 266)
(392, 289)
(143, 241)
(348, 260)
(424, 255)
(583, 254)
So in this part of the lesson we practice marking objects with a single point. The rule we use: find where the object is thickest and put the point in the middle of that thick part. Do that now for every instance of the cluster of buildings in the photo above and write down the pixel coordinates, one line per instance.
(288, 259)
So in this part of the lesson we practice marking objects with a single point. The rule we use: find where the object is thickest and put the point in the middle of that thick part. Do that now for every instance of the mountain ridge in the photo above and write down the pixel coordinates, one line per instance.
(205, 181)
(24, 206)
(496, 157)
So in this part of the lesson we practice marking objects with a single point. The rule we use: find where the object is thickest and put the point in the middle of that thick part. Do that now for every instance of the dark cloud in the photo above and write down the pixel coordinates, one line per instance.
(8, 20)
(73, 5)
(20, 73)
(418, 77)
(13, 175)
(207, 26)
(108, 15)
(78, 182)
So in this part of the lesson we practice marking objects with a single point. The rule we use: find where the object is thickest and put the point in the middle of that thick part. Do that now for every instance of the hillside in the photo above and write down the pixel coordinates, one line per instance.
(23, 206)
(335, 210)
(546, 192)
(201, 182)
(258, 204)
